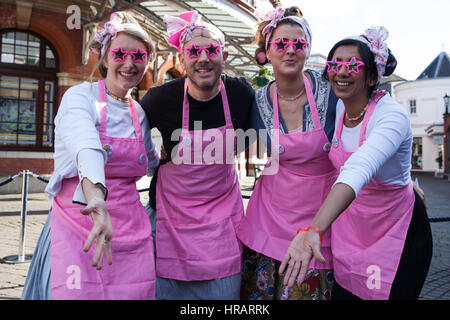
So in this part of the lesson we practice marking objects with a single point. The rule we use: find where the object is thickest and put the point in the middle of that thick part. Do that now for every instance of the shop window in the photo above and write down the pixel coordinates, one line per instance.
(28, 67)
(417, 154)
(412, 107)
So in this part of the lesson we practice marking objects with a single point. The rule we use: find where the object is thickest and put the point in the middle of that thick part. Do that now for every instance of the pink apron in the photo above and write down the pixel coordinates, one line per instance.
(199, 205)
(131, 275)
(283, 202)
(368, 237)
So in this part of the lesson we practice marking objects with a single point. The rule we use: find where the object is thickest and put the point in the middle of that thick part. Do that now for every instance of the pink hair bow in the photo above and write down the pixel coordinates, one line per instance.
(109, 32)
(180, 29)
(274, 16)
(376, 37)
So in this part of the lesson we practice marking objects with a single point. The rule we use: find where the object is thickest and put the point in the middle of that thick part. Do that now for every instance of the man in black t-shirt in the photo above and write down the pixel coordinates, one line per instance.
(198, 207)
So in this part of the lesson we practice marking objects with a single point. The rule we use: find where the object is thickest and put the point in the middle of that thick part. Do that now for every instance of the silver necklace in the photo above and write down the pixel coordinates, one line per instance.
(291, 98)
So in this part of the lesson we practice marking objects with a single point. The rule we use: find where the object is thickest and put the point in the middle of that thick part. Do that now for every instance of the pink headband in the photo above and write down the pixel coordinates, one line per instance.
(374, 38)
(180, 29)
(275, 16)
(110, 30)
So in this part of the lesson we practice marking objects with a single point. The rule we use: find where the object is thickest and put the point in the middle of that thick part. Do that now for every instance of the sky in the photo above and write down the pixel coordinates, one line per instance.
(418, 29)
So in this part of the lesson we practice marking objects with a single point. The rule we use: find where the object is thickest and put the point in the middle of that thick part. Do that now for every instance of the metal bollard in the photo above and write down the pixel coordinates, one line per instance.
(22, 257)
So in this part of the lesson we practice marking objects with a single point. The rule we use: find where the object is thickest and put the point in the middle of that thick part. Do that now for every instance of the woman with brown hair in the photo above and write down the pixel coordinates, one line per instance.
(299, 107)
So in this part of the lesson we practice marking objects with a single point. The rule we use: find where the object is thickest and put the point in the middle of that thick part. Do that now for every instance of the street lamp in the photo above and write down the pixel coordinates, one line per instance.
(447, 102)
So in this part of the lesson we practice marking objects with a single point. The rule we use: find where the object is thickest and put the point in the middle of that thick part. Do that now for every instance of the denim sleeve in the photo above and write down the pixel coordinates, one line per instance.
(331, 115)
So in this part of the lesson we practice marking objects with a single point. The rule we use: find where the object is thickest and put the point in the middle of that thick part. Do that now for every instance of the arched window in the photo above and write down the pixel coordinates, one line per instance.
(28, 83)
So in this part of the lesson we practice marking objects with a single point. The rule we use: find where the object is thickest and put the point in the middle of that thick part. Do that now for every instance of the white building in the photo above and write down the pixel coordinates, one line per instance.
(423, 99)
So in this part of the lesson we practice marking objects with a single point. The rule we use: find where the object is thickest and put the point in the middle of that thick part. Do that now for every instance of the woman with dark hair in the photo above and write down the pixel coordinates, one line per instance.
(299, 107)
(380, 238)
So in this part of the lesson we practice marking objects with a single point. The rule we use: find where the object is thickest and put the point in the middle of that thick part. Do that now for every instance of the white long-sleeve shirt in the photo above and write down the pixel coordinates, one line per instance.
(78, 150)
(385, 154)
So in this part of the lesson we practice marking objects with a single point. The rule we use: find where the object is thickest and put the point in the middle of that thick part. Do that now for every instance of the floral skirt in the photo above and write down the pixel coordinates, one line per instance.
(261, 281)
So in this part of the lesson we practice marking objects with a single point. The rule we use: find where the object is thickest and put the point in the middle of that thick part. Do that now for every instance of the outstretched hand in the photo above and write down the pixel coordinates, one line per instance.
(101, 232)
(302, 249)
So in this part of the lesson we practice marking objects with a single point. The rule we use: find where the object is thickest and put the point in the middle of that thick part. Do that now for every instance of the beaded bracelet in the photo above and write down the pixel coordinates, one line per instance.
(313, 227)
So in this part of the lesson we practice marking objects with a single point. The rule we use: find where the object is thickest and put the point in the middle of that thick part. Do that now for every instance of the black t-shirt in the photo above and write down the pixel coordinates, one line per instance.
(163, 106)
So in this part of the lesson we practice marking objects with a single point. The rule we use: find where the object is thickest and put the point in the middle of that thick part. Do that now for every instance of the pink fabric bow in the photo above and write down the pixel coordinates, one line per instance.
(180, 29)
(109, 32)
(274, 16)
(377, 36)
(374, 38)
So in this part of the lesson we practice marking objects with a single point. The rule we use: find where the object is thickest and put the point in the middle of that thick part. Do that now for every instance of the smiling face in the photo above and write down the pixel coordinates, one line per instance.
(288, 62)
(350, 86)
(203, 70)
(124, 74)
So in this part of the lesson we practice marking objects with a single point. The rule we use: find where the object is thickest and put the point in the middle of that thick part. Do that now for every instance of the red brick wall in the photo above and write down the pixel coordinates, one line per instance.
(10, 166)
(7, 16)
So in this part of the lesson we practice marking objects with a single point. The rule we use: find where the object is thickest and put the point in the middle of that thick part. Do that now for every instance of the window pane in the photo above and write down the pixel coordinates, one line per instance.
(7, 58)
(34, 52)
(9, 86)
(8, 38)
(34, 61)
(48, 113)
(20, 59)
(22, 48)
(33, 41)
(47, 135)
(8, 133)
(27, 134)
(8, 110)
(21, 38)
(49, 52)
(49, 58)
(7, 48)
(29, 88)
(27, 111)
(50, 63)
(49, 91)
(8, 120)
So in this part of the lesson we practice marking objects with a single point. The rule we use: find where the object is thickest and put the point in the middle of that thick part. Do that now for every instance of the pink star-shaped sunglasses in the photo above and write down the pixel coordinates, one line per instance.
(119, 55)
(352, 65)
(211, 50)
(281, 44)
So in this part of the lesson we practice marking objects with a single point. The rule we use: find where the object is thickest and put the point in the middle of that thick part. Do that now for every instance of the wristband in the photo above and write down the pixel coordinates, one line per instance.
(313, 227)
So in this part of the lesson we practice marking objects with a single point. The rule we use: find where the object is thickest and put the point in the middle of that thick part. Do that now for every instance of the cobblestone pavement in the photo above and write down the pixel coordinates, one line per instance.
(12, 276)
(437, 197)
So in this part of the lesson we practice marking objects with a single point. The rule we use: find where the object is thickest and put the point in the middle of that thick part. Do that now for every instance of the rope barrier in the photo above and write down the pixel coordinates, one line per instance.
(11, 179)
(445, 219)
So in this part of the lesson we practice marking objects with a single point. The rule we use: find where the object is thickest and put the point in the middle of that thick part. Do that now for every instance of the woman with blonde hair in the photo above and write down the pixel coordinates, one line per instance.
(299, 108)
(102, 147)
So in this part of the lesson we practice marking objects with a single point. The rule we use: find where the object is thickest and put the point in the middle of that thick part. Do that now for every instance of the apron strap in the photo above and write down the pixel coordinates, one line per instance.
(225, 104)
(103, 112)
(373, 103)
(312, 103)
(102, 98)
